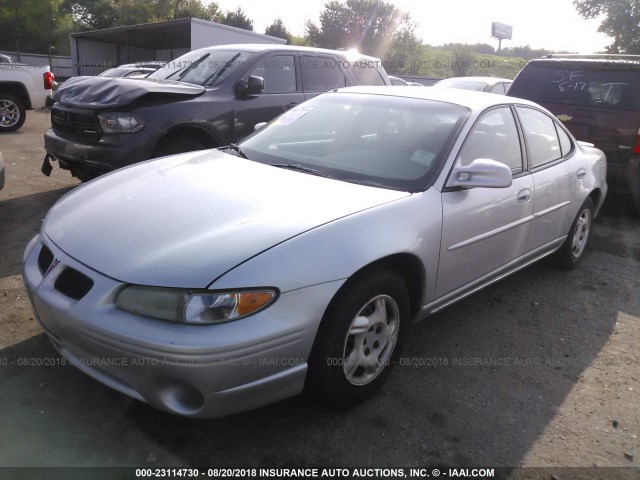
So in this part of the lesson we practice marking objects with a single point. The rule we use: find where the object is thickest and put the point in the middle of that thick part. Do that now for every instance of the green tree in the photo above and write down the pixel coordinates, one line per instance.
(621, 22)
(277, 29)
(462, 60)
(404, 55)
(32, 25)
(192, 9)
(238, 19)
(367, 25)
(99, 14)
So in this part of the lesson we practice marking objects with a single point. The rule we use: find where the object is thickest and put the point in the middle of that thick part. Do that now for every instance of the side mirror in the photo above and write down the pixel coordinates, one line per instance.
(483, 172)
(258, 126)
(249, 86)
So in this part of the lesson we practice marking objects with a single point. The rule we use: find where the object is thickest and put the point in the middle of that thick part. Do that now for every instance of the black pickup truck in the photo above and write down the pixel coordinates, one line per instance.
(207, 98)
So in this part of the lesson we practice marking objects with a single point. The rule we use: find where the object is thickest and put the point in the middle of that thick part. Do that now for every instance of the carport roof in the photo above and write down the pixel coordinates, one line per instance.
(170, 34)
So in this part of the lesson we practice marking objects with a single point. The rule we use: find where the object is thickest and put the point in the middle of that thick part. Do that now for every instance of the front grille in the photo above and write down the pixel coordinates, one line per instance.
(44, 259)
(75, 123)
(73, 284)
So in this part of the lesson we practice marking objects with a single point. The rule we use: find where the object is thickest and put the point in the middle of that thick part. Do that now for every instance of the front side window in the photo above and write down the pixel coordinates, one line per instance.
(494, 137)
(278, 72)
(543, 145)
(321, 74)
(389, 142)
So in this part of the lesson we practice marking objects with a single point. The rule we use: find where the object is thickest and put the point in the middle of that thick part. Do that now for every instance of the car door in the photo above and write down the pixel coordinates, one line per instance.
(559, 177)
(485, 230)
(282, 91)
(321, 73)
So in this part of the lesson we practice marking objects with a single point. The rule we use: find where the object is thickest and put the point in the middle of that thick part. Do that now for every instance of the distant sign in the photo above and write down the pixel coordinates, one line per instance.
(501, 31)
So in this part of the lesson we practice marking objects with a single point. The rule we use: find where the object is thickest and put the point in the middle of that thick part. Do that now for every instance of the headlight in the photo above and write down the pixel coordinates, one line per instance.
(120, 122)
(197, 307)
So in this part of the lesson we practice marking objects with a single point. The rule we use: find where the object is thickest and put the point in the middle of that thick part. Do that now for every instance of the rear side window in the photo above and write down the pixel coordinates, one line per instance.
(565, 142)
(543, 145)
(498, 88)
(613, 86)
(320, 74)
(366, 72)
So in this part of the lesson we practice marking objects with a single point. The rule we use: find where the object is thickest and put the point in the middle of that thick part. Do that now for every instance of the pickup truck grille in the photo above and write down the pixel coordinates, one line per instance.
(76, 123)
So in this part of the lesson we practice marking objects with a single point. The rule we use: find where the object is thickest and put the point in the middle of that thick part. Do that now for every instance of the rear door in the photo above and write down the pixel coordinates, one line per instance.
(559, 177)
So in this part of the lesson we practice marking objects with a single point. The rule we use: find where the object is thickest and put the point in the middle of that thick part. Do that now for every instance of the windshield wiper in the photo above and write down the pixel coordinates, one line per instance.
(235, 148)
(300, 168)
(221, 70)
(183, 71)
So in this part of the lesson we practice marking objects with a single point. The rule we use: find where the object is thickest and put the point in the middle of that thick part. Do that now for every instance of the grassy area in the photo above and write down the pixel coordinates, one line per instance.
(439, 63)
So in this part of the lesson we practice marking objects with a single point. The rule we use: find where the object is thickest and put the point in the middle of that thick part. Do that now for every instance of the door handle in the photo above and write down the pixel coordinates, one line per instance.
(291, 105)
(524, 195)
(581, 173)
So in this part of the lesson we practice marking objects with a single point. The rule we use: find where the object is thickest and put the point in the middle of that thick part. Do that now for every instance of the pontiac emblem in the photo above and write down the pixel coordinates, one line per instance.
(564, 118)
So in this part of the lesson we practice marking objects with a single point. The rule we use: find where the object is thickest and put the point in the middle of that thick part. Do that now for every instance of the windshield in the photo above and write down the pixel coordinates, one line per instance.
(378, 140)
(611, 85)
(202, 67)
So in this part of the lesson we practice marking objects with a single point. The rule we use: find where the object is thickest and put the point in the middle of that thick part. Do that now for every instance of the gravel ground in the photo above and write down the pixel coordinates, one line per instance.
(539, 370)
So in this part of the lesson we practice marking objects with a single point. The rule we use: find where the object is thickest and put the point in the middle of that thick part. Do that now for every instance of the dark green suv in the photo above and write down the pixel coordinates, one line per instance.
(207, 98)
(598, 98)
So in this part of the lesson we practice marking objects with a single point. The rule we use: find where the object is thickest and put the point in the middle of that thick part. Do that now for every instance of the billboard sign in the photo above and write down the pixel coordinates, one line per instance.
(501, 31)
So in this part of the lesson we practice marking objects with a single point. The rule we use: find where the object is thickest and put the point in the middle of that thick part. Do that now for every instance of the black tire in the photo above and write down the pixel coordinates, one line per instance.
(12, 113)
(575, 246)
(339, 372)
(172, 146)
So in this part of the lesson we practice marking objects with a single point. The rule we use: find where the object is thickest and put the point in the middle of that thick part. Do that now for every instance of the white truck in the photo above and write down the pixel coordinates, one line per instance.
(23, 87)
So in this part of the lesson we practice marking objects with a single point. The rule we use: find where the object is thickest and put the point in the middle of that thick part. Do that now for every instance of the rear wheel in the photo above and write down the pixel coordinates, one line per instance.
(574, 247)
(359, 339)
(12, 113)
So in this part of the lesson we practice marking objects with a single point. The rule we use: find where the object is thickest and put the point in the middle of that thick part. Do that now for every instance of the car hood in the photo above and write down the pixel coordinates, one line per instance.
(113, 92)
(185, 220)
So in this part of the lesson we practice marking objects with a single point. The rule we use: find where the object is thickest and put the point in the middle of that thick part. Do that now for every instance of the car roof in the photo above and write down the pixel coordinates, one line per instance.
(487, 80)
(266, 47)
(473, 100)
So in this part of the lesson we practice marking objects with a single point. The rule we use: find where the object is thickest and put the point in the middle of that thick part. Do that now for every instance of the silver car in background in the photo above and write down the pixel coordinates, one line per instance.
(499, 86)
(218, 281)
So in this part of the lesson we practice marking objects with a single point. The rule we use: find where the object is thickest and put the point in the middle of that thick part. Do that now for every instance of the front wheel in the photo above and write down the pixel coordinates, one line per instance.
(12, 113)
(574, 247)
(359, 339)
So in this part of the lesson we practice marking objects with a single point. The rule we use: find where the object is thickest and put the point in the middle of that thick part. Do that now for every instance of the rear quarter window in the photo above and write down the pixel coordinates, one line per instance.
(614, 86)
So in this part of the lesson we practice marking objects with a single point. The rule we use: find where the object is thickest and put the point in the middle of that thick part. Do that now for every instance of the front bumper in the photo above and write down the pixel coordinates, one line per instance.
(107, 154)
(190, 370)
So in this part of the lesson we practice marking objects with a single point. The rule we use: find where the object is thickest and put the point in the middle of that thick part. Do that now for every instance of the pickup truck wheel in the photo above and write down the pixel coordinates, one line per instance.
(12, 113)
(172, 146)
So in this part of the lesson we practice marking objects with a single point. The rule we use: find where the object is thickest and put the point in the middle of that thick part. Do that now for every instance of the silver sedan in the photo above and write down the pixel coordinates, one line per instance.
(218, 281)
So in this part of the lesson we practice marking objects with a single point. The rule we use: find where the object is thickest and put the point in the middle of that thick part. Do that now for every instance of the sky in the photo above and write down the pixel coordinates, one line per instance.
(549, 24)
